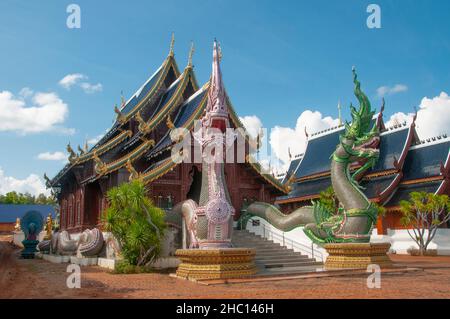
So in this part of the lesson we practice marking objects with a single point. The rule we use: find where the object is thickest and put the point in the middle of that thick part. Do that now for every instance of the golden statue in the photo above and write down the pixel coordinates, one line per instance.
(48, 227)
(17, 226)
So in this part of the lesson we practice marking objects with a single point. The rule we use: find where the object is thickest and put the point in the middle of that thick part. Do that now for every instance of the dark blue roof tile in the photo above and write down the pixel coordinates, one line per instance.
(391, 148)
(317, 155)
(425, 160)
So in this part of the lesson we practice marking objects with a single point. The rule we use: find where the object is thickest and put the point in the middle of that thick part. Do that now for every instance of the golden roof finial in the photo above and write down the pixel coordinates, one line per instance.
(122, 99)
(172, 43)
(191, 53)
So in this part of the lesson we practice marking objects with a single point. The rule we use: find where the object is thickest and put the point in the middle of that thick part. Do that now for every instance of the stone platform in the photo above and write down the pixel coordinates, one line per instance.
(56, 259)
(220, 263)
(84, 261)
(357, 255)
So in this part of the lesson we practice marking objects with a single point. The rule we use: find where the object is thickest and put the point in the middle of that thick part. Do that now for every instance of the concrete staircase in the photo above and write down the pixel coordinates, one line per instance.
(272, 258)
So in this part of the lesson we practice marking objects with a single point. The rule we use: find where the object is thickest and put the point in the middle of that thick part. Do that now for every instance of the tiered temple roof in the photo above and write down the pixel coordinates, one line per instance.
(310, 174)
(141, 133)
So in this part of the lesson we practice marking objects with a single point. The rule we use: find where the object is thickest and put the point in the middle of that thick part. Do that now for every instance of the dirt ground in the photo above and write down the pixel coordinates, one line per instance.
(21, 278)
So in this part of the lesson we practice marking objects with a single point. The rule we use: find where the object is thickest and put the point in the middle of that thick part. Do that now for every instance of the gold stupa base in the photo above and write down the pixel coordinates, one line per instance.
(357, 255)
(222, 263)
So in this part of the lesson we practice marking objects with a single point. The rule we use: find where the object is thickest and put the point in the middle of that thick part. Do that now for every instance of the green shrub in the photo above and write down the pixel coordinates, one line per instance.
(123, 267)
(135, 222)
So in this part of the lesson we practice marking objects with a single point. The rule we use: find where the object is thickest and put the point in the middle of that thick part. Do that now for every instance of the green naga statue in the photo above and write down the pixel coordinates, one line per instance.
(356, 215)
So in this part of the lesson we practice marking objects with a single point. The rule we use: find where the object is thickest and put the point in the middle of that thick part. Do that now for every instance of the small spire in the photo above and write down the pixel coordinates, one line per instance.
(339, 112)
(172, 43)
(191, 53)
(219, 52)
(122, 99)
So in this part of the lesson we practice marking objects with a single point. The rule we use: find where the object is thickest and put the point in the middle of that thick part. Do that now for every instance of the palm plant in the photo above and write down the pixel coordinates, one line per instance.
(135, 222)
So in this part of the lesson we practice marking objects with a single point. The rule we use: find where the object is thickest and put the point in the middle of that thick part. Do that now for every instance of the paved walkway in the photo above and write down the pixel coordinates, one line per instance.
(41, 279)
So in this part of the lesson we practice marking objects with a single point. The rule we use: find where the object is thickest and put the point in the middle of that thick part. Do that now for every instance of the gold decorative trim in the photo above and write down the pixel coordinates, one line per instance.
(357, 255)
(105, 147)
(202, 264)
(422, 180)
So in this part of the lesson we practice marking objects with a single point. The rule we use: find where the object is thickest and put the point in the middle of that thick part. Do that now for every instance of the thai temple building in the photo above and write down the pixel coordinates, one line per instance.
(139, 145)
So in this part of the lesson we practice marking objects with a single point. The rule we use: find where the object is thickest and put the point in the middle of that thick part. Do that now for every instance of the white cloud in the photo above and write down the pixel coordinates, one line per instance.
(46, 113)
(79, 79)
(33, 184)
(284, 138)
(56, 156)
(71, 79)
(433, 116)
(398, 118)
(91, 88)
(386, 90)
(252, 124)
(26, 92)
(95, 140)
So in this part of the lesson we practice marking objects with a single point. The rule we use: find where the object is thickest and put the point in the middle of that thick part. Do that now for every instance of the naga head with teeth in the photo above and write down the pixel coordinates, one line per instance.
(361, 138)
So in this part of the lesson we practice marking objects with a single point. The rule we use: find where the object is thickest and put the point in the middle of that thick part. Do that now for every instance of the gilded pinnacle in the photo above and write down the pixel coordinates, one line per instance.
(191, 53)
(172, 43)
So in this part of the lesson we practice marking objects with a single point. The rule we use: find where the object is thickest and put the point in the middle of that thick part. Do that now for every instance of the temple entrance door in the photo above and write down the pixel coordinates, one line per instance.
(196, 184)
(93, 198)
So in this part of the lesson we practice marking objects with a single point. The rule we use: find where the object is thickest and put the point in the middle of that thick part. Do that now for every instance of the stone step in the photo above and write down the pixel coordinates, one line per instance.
(252, 240)
(273, 249)
(271, 257)
(288, 270)
(259, 245)
(278, 256)
(291, 264)
(246, 235)
(281, 258)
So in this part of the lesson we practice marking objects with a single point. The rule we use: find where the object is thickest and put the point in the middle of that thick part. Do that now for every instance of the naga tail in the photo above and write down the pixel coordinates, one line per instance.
(275, 217)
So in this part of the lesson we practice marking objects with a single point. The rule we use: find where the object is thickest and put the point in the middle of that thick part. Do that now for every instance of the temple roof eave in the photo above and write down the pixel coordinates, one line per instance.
(105, 143)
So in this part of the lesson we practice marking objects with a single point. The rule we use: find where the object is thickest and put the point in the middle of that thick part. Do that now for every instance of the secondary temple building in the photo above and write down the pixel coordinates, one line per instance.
(406, 164)
(139, 144)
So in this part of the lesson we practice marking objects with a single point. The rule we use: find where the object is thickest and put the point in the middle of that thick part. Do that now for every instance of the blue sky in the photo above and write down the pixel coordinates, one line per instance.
(280, 58)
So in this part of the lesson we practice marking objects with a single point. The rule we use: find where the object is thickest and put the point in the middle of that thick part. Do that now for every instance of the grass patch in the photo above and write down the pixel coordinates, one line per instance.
(123, 267)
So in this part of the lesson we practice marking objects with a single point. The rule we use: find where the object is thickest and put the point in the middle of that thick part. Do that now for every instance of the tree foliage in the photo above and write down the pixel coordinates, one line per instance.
(424, 213)
(135, 222)
(16, 198)
(329, 200)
